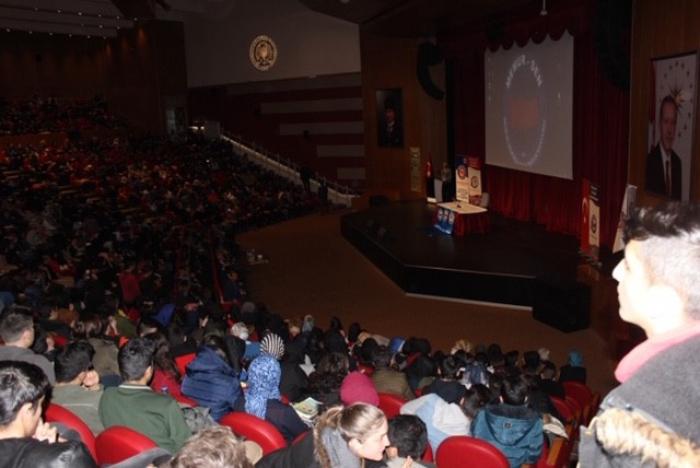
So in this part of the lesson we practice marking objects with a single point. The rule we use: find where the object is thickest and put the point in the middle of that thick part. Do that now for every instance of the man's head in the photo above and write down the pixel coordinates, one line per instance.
(73, 360)
(449, 367)
(136, 360)
(213, 447)
(408, 437)
(381, 357)
(514, 390)
(23, 387)
(668, 117)
(17, 327)
(659, 275)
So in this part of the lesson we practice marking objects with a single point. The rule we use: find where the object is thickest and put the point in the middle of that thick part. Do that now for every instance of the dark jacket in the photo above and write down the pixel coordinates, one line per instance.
(294, 456)
(212, 382)
(31, 453)
(517, 431)
(282, 416)
(666, 391)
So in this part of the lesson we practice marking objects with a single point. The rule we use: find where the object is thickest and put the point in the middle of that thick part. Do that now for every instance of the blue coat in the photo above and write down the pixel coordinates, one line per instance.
(516, 431)
(212, 382)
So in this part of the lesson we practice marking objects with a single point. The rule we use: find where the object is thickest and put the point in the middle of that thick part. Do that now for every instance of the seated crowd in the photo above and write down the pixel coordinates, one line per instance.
(50, 115)
(106, 292)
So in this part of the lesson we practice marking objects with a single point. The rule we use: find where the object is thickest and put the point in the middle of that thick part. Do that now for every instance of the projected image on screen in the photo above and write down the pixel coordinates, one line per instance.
(529, 107)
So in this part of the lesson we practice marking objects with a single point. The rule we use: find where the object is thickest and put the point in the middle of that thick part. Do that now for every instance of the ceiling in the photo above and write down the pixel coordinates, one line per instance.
(93, 18)
(394, 18)
(417, 18)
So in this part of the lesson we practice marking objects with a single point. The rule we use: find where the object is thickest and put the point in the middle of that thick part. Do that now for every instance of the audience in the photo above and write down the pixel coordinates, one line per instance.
(408, 440)
(78, 385)
(342, 437)
(213, 447)
(262, 399)
(386, 378)
(135, 405)
(26, 441)
(211, 380)
(512, 426)
(17, 332)
(114, 240)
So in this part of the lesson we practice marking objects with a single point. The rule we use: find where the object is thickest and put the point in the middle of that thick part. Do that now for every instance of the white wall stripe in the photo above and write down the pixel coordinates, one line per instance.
(322, 128)
(351, 173)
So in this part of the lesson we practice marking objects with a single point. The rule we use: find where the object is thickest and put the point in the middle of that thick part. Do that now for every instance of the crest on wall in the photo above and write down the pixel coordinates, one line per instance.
(263, 53)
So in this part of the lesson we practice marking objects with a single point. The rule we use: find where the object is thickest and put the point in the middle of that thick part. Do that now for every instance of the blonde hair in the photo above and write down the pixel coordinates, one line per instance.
(212, 447)
(352, 422)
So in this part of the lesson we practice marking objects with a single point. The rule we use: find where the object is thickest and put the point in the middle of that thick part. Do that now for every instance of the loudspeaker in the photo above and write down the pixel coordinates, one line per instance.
(564, 306)
(428, 55)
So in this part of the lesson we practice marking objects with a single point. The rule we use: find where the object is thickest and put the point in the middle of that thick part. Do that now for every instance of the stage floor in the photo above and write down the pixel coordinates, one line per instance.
(508, 265)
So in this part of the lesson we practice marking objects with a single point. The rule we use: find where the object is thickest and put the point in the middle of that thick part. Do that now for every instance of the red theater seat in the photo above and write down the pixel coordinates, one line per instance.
(118, 443)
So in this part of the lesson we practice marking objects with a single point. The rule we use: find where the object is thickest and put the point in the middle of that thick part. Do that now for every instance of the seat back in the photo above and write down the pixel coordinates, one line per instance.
(584, 396)
(578, 391)
(390, 404)
(253, 428)
(57, 413)
(564, 409)
(182, 361)
(466, 452)
(117, 443)
(428, 455)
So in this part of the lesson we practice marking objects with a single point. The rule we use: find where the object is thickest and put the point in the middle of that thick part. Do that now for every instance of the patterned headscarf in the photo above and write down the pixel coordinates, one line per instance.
(263, 384)
(272, 345)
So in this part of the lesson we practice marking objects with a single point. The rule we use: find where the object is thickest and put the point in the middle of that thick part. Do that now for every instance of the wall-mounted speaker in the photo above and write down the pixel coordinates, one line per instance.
(429, 54)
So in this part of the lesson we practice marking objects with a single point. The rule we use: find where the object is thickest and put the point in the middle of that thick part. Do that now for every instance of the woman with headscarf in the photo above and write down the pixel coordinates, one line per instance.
(263, 398)
(574, 370)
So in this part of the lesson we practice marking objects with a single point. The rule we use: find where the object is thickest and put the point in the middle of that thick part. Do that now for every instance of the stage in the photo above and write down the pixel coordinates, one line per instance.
(515, 263)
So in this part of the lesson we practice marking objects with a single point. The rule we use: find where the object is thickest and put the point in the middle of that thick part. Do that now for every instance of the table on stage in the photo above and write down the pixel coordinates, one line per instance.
(468, 219)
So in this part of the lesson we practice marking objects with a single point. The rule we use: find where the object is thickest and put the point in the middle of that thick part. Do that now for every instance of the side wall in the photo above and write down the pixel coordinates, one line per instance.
(309, 44)
(135, 71)
(312, 121)
(391, 63)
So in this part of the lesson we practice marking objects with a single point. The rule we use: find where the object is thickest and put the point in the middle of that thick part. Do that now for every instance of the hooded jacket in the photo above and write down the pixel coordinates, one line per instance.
(212, 382)
(517, 431)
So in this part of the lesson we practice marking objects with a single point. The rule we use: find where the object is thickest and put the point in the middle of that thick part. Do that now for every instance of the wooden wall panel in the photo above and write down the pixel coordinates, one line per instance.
(133, 70)
(391, 63)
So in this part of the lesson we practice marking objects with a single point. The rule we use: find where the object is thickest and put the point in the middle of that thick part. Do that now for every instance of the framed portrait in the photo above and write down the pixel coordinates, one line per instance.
(672, 117)
(389, 118)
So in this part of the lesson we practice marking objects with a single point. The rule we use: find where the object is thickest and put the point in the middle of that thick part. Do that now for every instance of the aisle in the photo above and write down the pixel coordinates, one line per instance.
(313, 270)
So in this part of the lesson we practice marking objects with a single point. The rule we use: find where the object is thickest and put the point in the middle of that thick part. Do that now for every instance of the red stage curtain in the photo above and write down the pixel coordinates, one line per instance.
(600, 133)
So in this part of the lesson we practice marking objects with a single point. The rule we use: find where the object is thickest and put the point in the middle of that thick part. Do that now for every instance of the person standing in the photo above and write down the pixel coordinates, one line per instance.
(657, 291)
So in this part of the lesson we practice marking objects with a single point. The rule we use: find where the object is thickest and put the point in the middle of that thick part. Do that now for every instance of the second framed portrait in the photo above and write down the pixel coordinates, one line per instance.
(672, 116)
(389, 118)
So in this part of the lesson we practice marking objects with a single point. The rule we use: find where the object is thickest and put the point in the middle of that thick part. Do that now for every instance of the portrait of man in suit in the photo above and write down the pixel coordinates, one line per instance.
(664, 167)
(389, 118)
